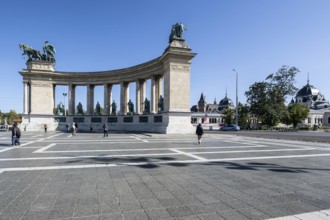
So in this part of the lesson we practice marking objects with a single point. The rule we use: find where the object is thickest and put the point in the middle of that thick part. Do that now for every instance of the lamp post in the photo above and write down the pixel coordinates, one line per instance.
(64, 94)
(236, 97)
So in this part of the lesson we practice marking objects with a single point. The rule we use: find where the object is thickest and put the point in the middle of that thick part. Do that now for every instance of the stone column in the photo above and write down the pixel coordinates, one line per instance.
(177, 77)
(25, 98)
(160, 86)
(138, 97)
(107, 98)
(71, 99)
(142, 94)
(153, 94)
(157, 92)
(29, 98)
(54, 98)
(90, 100)
(124, 97)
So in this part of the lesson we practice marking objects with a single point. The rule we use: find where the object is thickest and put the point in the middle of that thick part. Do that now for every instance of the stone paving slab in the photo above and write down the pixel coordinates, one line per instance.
(255, 188)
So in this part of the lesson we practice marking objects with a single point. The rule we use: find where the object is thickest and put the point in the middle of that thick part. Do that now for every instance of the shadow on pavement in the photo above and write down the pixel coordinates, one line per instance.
(153, 162)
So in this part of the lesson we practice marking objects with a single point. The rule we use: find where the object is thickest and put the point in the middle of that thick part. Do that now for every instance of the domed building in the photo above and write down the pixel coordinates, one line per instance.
(319, 106)
(311, 96)
(210, 113)
(225, 103)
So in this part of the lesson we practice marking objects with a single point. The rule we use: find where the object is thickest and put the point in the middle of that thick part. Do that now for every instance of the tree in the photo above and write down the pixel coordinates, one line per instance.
(267, 99)
(283, 80)
(295, 114)
(228, 116)
(11, 116)
(257, 99)
(244, 117)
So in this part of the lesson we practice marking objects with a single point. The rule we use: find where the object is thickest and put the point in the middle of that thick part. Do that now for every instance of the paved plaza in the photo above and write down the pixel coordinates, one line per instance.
(151, 176)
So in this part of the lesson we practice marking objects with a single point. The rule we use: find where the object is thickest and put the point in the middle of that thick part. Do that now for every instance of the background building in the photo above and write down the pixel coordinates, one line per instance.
(211, 114)
(319, 106)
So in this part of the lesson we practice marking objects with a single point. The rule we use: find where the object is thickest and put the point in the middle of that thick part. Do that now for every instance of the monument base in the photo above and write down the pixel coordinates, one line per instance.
(165, 123)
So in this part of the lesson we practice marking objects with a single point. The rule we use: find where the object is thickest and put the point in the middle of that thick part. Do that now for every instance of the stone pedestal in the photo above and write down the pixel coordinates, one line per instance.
(38, 96)
(177, 58)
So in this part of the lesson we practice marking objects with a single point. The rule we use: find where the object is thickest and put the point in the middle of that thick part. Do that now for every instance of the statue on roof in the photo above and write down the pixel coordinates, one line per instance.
(33, 54)
(49, 52)
(177, 32)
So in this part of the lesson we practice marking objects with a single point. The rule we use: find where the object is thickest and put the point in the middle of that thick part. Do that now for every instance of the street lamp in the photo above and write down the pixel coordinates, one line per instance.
(236, 97)
(64, 94)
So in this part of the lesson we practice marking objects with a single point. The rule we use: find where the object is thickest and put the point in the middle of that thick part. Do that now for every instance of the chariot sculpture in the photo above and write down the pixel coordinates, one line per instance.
(33, 54)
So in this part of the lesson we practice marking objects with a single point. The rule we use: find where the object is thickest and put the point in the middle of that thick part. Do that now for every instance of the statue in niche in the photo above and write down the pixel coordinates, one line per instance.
(113, 108)
(130, 106)
(60, 108)
(161, 104)
(98, 108)
(146, 106)
(177, 32)
(80, 110)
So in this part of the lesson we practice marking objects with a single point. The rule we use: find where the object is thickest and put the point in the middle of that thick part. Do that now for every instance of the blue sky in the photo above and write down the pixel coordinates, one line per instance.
(256, 37)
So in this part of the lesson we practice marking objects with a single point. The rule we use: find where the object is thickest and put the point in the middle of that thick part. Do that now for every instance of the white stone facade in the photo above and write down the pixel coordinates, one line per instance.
(171, 70)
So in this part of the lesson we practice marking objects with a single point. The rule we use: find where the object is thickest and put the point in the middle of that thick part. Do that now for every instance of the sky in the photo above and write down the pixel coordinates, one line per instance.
(254, 37)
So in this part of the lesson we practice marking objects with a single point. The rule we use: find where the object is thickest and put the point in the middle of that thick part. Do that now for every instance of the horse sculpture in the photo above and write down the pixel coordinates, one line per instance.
(30, 52)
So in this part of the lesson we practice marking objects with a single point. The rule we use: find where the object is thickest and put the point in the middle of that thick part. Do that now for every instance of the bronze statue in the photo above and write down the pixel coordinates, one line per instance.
(146, 106)
(177, 32)
(80, 110)
(161, 104)
(61, 109)
(98, 108)
(113, 108)
(49, 52)
(32, 54)
(130, 106)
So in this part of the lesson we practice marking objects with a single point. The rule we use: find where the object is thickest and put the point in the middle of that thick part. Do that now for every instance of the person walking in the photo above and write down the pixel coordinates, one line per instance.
(18, 135)
(199, 133)
(73, 129)
(45, 126)
(15, 135)
(105, 130)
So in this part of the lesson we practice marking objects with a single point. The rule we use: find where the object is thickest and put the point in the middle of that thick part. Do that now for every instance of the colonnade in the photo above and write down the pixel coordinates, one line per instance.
(169, 76)
(156, 90)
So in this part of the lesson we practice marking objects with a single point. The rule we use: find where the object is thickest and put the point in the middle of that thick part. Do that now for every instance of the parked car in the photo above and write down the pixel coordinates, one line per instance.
(230, 128)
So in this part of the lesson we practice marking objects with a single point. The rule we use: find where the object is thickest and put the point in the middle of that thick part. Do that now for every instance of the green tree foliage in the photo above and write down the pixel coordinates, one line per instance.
(267, 99)
(11, 116)
(244, 117)
(228, 116)
(295, 114)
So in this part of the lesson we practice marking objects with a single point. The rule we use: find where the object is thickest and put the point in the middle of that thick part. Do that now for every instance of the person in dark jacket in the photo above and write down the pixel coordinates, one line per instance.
(199, 133)
(15, 135)
(105, 130)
